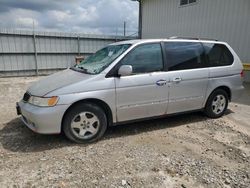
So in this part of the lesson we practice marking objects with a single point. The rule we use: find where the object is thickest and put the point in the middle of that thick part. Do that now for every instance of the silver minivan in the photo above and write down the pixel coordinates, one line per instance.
(130, 81)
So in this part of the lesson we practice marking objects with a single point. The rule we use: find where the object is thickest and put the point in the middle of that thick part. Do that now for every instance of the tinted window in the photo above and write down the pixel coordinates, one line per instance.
(183, 2)
(192, 1)
(218, 55)
(186, 2)
(184, 55)
(145, 58)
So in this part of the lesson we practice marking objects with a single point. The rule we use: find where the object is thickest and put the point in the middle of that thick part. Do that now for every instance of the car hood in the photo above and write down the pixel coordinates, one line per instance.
(57, 81)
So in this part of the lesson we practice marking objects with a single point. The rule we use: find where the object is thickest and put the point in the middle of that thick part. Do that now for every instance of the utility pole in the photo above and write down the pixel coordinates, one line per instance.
(124, 29)
(116, 33)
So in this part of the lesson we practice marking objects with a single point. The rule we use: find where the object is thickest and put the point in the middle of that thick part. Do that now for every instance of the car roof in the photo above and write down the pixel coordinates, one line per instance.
(141, 41)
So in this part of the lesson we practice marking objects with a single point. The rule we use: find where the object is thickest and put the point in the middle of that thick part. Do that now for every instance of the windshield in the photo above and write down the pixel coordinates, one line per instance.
(97, 62)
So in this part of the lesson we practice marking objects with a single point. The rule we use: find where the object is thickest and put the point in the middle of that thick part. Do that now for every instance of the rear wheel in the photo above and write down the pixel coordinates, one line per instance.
(85, 123)
(217, 103)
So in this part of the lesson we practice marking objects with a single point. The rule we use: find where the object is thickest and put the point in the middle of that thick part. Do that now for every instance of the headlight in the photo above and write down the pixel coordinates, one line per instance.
(43, 101)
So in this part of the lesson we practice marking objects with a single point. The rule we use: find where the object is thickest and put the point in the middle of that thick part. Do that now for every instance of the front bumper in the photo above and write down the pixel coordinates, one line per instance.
(43, 120)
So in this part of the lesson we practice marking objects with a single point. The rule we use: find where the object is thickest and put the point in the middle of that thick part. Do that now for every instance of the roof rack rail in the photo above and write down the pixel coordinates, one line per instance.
(191, 38)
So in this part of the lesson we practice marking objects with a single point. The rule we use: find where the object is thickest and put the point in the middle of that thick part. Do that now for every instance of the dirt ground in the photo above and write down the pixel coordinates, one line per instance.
(183, 151)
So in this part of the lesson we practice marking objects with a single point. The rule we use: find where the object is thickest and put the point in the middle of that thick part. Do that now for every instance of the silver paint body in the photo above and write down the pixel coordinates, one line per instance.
(131, 97)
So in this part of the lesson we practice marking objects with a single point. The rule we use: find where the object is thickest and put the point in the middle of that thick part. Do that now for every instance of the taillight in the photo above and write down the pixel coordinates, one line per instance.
(242, 74)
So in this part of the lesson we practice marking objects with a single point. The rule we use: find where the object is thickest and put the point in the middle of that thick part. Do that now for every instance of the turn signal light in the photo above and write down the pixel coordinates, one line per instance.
(52, 101)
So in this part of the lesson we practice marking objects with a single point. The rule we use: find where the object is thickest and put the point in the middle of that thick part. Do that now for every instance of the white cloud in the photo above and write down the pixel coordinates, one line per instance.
(18, 18)
(59, 16)
(88, 16)
(26, 22)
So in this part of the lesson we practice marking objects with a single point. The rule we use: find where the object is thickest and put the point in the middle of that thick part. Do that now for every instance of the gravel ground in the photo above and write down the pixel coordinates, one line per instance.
(183, 151)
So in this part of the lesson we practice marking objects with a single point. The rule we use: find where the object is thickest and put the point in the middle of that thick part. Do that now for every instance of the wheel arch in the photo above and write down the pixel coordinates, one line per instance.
(107, 110)
(226, 89)
(223, 87)
(208, 109)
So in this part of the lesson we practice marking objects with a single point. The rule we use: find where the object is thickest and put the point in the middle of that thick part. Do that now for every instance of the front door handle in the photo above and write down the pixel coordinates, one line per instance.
(177, 79)
(161, 82)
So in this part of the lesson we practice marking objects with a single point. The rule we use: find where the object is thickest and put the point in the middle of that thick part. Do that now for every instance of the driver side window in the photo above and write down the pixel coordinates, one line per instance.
(145, 58)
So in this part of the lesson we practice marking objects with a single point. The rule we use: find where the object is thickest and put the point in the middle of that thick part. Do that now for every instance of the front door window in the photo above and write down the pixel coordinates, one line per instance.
(145, 58)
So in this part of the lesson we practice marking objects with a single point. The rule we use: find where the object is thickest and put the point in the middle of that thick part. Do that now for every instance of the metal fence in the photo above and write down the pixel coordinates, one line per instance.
(26, 53)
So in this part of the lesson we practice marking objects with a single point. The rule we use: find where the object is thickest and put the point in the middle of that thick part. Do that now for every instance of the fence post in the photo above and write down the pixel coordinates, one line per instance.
(78, 43)
(35, 53)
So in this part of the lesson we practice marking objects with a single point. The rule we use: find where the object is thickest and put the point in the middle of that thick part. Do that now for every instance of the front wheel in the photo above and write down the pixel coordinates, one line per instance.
(217, 103)
(85, 123)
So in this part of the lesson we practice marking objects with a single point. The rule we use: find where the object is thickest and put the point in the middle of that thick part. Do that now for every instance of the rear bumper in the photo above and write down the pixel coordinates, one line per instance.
(43, 120)
(237, 93)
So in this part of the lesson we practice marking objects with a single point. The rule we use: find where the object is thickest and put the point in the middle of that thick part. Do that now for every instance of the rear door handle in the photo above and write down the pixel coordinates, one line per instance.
(161, 82)
(177, 79)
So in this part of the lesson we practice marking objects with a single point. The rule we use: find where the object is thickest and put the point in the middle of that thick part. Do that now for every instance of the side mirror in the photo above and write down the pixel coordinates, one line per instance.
(125, 70)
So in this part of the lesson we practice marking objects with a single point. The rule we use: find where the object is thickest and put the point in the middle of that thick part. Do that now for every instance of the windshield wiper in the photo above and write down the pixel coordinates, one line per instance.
(85, 70)
(80, 69)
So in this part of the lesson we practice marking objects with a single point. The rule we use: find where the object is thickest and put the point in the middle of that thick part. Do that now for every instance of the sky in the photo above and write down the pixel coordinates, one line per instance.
(81, 16)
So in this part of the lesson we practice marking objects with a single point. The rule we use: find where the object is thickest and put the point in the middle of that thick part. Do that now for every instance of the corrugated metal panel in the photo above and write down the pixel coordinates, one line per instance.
(226, 20)
(55, 51)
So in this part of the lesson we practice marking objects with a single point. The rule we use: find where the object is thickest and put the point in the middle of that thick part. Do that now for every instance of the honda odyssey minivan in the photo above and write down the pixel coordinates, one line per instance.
(133, 80)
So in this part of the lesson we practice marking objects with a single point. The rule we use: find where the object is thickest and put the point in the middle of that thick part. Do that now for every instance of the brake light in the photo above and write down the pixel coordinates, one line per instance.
(242, 74)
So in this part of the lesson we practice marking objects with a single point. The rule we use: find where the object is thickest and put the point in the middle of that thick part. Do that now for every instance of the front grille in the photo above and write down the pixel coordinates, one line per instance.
(26, 97)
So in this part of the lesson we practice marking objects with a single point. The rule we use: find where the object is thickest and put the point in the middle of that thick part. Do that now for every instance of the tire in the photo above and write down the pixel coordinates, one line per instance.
(217, 104)
(84, 123)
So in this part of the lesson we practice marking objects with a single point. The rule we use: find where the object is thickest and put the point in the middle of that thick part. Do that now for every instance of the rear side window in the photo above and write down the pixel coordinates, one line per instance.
(145, 58)
(218, 55)
(184, 55)
(186, 2)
